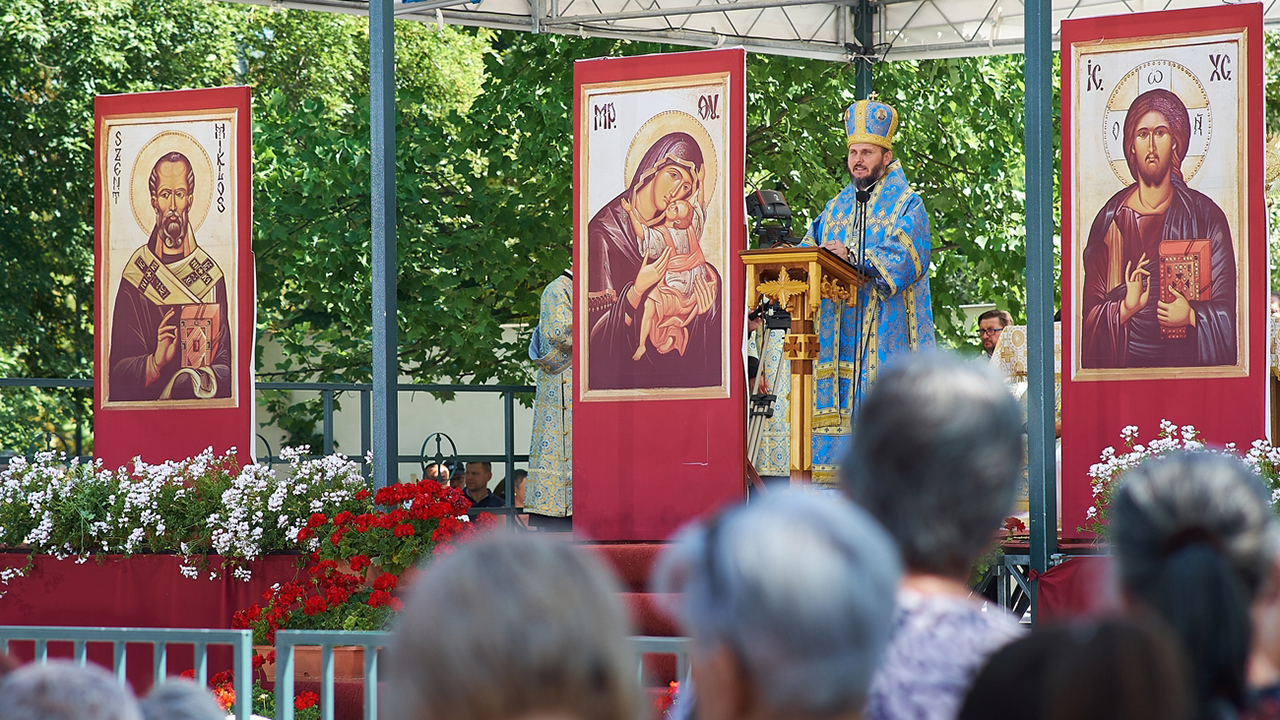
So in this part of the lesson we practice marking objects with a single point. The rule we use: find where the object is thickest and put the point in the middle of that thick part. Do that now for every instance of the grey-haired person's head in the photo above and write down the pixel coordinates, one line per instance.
(507, 627)
(180, 700)
(797, 590)
(63, 690)
(936, 456)
(1194, 541)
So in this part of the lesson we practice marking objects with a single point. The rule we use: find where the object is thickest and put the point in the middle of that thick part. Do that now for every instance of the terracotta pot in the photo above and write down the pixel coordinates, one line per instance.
(348, 663)
(370, 574)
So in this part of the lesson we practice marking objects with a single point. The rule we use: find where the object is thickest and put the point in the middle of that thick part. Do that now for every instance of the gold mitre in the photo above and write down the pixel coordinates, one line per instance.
(870, 121)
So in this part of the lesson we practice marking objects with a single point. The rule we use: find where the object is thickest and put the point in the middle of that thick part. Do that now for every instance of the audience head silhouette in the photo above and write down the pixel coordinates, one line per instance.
(508, 627)
(1193, 540)
(788, 600)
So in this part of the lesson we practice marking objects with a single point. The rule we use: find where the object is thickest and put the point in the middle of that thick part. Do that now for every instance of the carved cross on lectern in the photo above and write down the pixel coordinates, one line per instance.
(799, 279)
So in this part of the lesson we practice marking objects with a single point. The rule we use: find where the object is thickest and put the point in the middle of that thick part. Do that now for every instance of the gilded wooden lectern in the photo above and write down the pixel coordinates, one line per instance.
(798, 278)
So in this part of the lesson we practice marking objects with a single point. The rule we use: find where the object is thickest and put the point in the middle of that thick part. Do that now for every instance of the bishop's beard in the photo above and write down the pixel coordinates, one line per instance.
(863, 183)
(173, 228)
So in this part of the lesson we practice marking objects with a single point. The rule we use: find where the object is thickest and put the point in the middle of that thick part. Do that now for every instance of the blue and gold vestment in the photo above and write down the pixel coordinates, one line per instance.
(892, 315)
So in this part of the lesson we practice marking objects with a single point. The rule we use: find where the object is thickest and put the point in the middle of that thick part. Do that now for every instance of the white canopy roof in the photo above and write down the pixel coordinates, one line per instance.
(802, 28)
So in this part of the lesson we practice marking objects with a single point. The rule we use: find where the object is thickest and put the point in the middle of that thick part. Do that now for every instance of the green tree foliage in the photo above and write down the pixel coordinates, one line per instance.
(54, 58)
(309, 72)
(484, 170)
(960, 143)
(311, 190)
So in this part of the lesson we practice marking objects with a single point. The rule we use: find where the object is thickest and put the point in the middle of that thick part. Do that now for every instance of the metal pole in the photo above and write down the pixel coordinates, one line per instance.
(509, 431)
(1041, 475)
(366, 426)
(862, 34)
(327, 396)
(382, 119)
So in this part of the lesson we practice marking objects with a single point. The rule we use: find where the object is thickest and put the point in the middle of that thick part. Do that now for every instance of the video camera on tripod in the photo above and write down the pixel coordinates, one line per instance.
(771, 219)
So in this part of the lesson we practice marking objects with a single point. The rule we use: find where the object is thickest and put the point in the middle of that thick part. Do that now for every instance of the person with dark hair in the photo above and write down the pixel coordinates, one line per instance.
(170, 338)
(1106, 670)
(436, 471)
(512, 628)
(878, 224)
(1193, 538)
(475, 482)
(936, 457)
(1133, 315)
(990, 324)
(1264, 649)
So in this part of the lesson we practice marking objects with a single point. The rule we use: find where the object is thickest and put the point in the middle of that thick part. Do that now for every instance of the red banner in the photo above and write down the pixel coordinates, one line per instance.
(659, 431)
(1164, 247)
(173, 269)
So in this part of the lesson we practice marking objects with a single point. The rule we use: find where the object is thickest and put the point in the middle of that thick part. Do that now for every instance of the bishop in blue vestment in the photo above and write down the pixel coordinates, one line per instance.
(893, 313)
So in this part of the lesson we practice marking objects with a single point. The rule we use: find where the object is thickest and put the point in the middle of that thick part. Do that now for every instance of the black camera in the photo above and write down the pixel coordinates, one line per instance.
(771, 218)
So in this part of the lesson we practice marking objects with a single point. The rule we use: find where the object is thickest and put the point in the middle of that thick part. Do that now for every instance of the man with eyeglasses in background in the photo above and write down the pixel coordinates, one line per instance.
(990, 324)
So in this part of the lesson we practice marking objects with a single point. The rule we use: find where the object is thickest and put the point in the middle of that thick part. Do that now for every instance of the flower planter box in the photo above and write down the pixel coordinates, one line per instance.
(348, 663)
(137, 591)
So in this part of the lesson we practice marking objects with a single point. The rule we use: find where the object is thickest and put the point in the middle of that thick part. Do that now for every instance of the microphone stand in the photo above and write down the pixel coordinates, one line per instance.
(862, 196)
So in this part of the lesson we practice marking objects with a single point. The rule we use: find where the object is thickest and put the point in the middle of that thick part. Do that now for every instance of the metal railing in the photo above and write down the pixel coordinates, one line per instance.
(241, 642)
(330, 392)
(652, 645)
(287, 640)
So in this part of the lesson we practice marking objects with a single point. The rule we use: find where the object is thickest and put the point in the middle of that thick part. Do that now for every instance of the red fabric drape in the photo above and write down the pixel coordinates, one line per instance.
(1079, 587)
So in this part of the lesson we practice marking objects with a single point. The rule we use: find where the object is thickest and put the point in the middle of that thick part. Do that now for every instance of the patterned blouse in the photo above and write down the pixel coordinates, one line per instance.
(938, 645)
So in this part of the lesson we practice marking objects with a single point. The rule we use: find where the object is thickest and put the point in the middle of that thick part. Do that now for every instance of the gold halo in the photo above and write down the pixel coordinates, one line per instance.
(666, 122)
(163, 143)
(1191, 163)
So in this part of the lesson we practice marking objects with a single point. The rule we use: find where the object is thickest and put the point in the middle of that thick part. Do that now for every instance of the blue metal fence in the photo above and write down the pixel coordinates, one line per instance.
(241, 642)
(287, 640)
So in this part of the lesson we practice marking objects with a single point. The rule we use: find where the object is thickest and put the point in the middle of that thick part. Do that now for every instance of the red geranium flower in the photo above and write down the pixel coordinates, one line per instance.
(305, 699)
(404, 530)
(359, 563)
(378, 598)
(385, 581)
(316, 520)
(314, 605)
(226, 677)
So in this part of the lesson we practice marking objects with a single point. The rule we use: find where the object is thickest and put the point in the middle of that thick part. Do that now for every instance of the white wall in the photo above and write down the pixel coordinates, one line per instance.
(474, 421)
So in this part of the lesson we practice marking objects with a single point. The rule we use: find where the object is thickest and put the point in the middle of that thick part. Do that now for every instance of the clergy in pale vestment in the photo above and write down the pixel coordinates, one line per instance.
(893, 314)
(773, 459)
(549, 488)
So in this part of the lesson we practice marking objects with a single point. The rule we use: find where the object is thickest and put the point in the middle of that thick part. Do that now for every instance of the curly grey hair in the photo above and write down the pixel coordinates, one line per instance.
(799, 586)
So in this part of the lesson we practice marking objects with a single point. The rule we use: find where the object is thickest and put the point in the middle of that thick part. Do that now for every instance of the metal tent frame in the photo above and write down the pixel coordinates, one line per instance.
(906, 29)
(838, 30)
